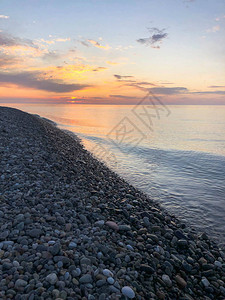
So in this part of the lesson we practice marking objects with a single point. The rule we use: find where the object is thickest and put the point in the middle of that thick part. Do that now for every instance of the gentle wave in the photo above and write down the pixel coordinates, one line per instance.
(189, 184)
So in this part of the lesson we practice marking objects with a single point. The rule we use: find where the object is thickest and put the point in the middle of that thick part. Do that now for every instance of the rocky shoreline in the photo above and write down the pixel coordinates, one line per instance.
(73, 229)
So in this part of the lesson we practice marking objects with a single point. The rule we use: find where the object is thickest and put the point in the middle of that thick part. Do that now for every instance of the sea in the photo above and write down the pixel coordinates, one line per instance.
(174, 153)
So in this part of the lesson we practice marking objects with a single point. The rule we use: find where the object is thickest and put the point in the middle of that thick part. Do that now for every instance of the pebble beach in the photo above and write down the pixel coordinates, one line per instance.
(73, 229)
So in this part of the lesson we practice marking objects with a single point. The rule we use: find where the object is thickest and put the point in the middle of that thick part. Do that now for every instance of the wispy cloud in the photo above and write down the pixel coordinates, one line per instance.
(9, 61)
(119, 77)
(220, 18)
(4, 17)
(17, 52)
(141, 85)
(32, 50)
(51, 55)
(181, 90)
(166, 83)
(53, 41)
(94, 43)
(216, 86)
(169, 91)
(112, 63)
(155, 39)
(122, 97)
(62, 39)
(214, 28)
(84, 43)
(99, 69)
(210, 92)
(33, 80)
(160, 90)
(125, 80)
(124, 48)
(9, 40)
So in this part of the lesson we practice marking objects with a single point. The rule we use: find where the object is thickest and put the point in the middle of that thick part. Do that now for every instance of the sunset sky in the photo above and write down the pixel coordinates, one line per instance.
(108, 52)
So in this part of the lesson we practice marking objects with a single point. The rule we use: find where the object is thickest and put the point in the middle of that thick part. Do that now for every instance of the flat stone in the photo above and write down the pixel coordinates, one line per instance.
(128, 292)
(205, 282)
(160, 295)
(68, 227)
(124, 228)
(75, 281)
(72, 245)
(182, 243)
(107, 273)
(166, 279)
(20, 226)
(4, 234)
(6, 266)
(76, 272)
(153, 237)
(34, 233)
(41, 248)
(52, 278)
(112, 225)
(60, 264)
(129, 247)
(146, 268)
(218, 264)
(110, 280)
(20, 283)
(180, 281)
(65, 260)
(146, 221)
(83, 218)
(55, 249)
(20, 217)
(85, 261)
(187, 267)
(179, 234)
(208, 273)
(99, 223)
(100, 282)
(55, 293)
(86, 279)
(60, 220)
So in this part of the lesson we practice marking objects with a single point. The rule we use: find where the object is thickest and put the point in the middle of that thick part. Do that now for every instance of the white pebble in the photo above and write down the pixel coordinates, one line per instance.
(218, 264)
(100, 223)
(16, 264)
(50, 243)
(129, 247)
(110, 280)
(167, 280)
(205, 282)
(99, 255)
(107, 273)
(128, 292)
(78, 271)
(52, 278)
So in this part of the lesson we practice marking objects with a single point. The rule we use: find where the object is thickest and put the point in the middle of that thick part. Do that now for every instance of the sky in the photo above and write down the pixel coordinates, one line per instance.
(112, 52)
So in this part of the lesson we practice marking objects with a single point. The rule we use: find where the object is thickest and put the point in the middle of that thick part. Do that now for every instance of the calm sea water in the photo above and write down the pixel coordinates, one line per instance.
(176, 154)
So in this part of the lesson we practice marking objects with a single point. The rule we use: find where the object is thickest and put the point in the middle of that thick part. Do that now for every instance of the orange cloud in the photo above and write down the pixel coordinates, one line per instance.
(214, 29)
(68, 72)
(112, 63)
(4, 17)
(98, 45)
(34, 80)
(53, 41)
(21, 50)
